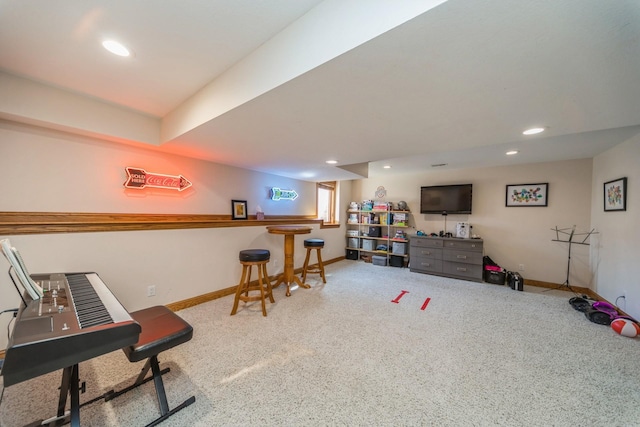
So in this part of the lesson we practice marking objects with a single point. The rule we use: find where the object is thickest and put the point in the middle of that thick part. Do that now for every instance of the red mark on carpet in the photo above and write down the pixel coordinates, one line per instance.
(397, 300)
(426, 302)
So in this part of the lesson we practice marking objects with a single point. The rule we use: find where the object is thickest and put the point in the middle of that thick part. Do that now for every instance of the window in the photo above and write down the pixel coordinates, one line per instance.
(326, 201)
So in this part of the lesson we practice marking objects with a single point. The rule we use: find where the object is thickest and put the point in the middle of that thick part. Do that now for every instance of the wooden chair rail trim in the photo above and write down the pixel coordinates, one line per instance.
(16, 223)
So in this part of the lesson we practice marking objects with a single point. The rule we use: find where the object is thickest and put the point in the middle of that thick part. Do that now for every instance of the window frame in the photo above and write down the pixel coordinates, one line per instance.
(332, 187)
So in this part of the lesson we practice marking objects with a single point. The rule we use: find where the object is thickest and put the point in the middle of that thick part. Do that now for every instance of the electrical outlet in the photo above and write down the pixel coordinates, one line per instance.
(521, 267)
(151, 291)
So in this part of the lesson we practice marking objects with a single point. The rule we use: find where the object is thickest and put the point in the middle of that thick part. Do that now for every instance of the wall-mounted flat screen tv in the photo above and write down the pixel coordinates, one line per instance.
(446, 199)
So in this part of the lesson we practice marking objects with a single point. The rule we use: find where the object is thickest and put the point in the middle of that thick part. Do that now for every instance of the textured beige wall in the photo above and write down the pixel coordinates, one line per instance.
(53, 171)
(615, 256)
(512, 235)
(50, 171)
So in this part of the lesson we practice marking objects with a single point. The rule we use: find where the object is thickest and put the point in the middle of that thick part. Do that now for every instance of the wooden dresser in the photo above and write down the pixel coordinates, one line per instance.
(443, 256)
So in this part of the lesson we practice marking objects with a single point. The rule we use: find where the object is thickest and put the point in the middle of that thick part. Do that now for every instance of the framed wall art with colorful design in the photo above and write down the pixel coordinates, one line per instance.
(615, 195)
(528, 195)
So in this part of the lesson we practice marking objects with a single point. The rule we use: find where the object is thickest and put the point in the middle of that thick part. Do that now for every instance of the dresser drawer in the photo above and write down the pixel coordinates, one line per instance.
(426, 252)
(470, 271)
(426, 242)
(466, 257)
(427, 265)
(465, 244)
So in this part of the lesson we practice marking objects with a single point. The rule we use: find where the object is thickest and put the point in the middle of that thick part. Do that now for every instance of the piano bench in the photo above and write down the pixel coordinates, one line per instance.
(162, 329)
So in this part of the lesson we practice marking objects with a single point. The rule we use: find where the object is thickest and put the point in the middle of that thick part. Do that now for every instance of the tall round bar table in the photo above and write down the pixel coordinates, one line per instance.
(289, 232)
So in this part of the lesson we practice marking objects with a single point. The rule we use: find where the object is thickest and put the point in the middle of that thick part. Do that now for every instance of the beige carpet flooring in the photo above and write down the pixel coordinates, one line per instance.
(344, 354)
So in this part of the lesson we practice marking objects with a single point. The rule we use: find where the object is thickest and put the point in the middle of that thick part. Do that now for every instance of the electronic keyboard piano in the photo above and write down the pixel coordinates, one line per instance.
(77, 319)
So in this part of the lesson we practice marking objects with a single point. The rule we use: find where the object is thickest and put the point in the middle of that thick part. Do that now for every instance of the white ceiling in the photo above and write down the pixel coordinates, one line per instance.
(456, 84)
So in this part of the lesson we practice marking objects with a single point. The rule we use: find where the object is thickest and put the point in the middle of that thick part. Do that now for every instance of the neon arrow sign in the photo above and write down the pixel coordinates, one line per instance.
(139, 178)
(280, 194)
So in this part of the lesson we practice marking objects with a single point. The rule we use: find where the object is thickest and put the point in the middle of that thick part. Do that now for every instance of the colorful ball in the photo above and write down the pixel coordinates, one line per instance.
(626, 327)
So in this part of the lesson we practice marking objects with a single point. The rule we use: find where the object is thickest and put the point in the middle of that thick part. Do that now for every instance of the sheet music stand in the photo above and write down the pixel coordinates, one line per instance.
(571, 241)
(16, 285)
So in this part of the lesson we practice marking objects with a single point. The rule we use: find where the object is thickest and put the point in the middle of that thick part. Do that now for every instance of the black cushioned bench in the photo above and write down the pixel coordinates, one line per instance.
(162, 329)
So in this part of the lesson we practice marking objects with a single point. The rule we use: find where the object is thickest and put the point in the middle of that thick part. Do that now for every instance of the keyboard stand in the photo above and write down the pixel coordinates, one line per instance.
(70, 386)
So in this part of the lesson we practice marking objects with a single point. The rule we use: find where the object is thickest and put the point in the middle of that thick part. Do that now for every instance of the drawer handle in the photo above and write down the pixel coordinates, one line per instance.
(462, 257)
(426, 264)
(426, 253)
(461, 269)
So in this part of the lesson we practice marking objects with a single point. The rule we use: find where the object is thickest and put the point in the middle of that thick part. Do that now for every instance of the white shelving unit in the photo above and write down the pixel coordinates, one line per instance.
(367, 230)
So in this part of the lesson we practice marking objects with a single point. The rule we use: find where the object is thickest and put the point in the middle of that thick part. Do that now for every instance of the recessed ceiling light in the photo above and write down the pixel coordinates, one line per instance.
(116, 48)
(387, 166)
(332, 162)
(511, 153)
(533, 131)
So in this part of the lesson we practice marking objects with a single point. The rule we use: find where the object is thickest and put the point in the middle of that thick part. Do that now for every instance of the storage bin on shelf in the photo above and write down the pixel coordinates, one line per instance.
(398, 248)
(379, 260)
(396, 261)
(367, 245)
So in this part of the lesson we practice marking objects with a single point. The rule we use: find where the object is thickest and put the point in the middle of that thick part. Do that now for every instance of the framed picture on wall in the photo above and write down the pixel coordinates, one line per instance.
(615, 195)
(239, 209)
(527, 195)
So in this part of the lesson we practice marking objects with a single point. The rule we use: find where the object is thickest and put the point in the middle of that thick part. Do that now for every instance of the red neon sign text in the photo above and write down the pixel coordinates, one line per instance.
(138, 179)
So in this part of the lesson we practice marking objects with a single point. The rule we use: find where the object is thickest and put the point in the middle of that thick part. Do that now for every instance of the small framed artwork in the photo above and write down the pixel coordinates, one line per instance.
(527, 195)
(615, 195)
(239, 209)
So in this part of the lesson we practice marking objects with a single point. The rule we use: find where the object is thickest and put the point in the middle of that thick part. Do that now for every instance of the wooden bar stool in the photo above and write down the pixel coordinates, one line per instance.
(317, 268)
(249, 258)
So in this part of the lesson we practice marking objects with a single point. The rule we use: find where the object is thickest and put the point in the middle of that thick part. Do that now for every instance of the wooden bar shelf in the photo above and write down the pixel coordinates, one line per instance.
(17, 223)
